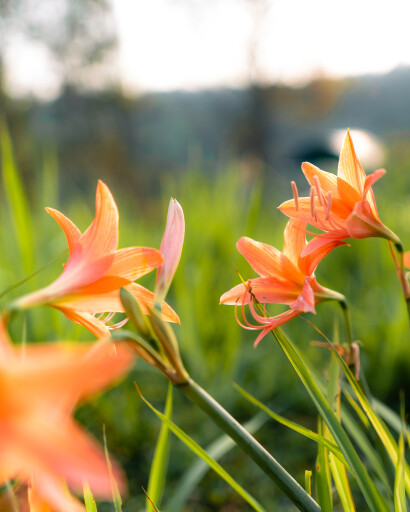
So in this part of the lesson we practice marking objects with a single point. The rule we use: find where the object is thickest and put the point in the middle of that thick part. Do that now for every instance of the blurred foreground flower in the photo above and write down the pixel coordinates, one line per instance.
(95, 271)
(39, 442)
(343, 206)
(171, 248)
(286, 278)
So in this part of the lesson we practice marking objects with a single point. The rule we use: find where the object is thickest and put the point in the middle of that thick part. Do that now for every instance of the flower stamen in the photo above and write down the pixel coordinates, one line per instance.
(295, 194)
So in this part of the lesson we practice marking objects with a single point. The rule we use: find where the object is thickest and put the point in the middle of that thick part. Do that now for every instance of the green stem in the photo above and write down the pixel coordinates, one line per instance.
(249, 445)
(348, 323)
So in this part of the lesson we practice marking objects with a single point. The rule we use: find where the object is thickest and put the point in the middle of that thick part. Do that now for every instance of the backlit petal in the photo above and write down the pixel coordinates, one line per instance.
(368, 192)
(294, 240)
(362, 224)
(263, 258)
(52, 491)
(93, 254)
(171, 249)
(349, 167)
(145, 297)
(71, 231)
(134, 262)
(316, 250)
(87, 320)
(265, 289)
(327, 180)
(306, 300)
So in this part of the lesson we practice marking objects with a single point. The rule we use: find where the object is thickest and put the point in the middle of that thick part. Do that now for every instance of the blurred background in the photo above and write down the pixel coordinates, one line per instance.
(216, 103)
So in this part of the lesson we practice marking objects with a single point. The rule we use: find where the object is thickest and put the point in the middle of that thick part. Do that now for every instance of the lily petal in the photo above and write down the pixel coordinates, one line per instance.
(93, 255)
(362, 224)
(263, 258)
(306, 299)
(72, 233)
(134, 262)
(171, 249)
(145, 297)
(294, 240)
(48, 490)
(349, 167)
(265, 289)
(316, 250)
(87, 320)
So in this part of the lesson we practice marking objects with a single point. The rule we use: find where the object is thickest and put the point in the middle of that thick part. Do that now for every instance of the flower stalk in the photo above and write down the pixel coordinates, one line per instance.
(269, 465)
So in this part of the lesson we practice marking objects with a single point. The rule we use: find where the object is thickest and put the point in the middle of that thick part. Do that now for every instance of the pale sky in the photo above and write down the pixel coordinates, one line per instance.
(195, 44)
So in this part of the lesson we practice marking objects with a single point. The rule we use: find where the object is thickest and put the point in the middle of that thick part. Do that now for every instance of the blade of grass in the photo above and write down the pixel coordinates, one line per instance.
(308, 481)
(89, 500)
(323, 478)
(114, 487)
(202, 453)
(375, 500)
(382, 431)
(362, 441)
(17, 200)
(399, 483)
(292, 425)
(159, 465)
(250, 446)
(193, 475)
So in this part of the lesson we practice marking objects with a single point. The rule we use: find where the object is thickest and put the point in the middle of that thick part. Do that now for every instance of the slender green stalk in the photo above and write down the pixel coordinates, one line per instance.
(348, 323)
(263, 459)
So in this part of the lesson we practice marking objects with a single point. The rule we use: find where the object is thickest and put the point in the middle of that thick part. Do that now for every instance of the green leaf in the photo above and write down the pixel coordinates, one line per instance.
(374, 499)
(17, 200)
(209, 460)
(196, 471)
(323, 479)
(160, 462)
(362, 441)
(399, 482)
(382, 431)
(114, 487)
(341, 481)
(308, 481)
(89, 501)
(292, 425)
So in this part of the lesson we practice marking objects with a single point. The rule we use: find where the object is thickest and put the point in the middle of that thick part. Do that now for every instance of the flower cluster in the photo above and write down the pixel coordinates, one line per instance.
(40, 444)
(341, 206)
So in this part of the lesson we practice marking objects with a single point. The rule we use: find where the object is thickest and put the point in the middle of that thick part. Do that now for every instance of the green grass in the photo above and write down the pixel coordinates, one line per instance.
(219, 208)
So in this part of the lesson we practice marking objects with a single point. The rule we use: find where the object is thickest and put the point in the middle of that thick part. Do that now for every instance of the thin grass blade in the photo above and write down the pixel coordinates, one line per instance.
(195, 448)
(293, 426)
(323, 478)
(89, 500)
(17, 201)
(192, 476)
(159, 465)
(375, 500)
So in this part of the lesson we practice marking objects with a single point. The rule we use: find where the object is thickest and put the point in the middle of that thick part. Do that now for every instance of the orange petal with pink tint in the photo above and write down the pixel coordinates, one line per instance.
(265, 289)
(362, 224)
(263, 258)
(134, 262)
(71, 231)
(171, 249)
(349, 167)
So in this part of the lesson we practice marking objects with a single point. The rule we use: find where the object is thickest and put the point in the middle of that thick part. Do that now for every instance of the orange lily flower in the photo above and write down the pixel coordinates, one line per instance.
(40, 443)
(343, 206)
(95, 271)
(286, 277)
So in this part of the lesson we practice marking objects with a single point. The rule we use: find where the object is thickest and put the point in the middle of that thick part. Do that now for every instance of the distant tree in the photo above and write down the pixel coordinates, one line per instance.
(78, 37)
